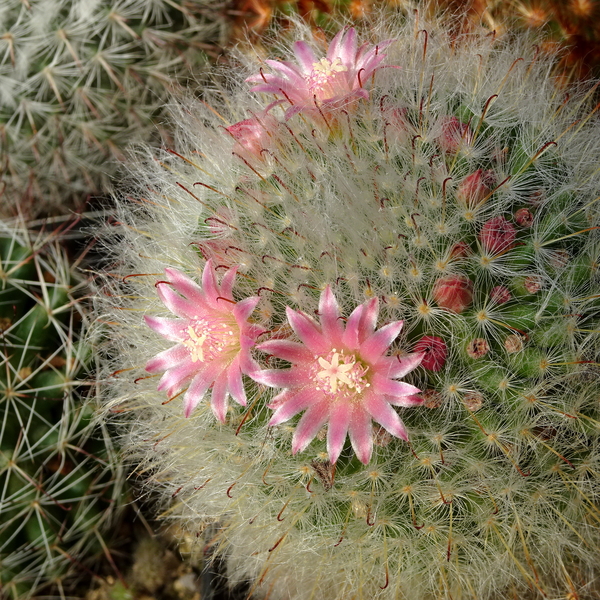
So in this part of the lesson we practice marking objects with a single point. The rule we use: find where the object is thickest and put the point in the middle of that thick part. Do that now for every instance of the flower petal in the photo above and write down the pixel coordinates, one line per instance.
(406, 401)
(235, 385)
(307, 331)
(350, 338)
(290, 351)
(337, 430)
(368, 321)
(195, 393)
(361, 435)
(282, 378)
(175, 379)
(310, 424)
(218, 400)
(209, 284)
(385, 415)
(168, 359)
(175, 303)
(294, 403)
(377, 343)
(389, 387)
(330, 317)
(343, 46)
(305, 56)
(172, 329)
(227, 283)
(186, 286)
(399, 366)
(244, 309)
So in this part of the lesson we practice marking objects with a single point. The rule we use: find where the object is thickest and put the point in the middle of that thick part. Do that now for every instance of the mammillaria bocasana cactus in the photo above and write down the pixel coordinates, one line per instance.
(81, 80)
(387, 255)
(60, 481)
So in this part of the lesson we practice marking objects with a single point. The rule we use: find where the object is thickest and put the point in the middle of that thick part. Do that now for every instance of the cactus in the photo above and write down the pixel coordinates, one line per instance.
(58, 476)
(81, 81)
(417, 213)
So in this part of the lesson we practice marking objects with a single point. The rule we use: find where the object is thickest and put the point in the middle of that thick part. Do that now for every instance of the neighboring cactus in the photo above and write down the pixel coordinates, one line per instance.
(80, 81)
(452, 187)
(58, 476)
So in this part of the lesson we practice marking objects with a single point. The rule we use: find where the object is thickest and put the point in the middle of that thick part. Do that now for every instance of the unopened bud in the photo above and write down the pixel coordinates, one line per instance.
(500, 294)
(454, 292)
(513, 344)
(532, 284)
(454, 134)
(473, 401)
(460, 250)
(497, 235)
(477, 348)
(524, 217)
(431, 398)
(476, 187)
(435, 352)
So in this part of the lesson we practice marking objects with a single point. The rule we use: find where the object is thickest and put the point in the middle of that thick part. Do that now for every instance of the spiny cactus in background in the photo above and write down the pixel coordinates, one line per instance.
(420, 212)
(79, 81)
(59, 480)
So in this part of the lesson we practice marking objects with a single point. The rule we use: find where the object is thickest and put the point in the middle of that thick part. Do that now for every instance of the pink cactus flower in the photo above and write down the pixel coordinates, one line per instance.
(434, 351)
(213, 338)
(497, 235)
(328, 82)
(340, 375)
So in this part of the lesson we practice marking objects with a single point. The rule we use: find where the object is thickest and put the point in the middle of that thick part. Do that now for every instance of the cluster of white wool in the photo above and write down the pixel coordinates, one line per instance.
(498, 491)
(79, 81)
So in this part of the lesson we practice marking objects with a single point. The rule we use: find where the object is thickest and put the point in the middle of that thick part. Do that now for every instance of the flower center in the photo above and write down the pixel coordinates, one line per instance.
(206, 341)
(324, 82)
(338, 374)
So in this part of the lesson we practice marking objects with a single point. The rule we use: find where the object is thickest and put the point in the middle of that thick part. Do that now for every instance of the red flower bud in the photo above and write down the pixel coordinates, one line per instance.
(454, 292)
(454, 134)
(524, 217)
(435, 352)
(500, 294)
(497, 235)
(476, 187)
(460, 250)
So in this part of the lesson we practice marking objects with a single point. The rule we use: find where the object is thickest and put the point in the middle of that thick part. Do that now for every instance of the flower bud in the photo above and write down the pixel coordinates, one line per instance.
(524, 217)
(454, 292)
(454, 134)
(476, 187)
(500, 294)
(252, 135)
(497, 235)
(435, 352)
(477, 348)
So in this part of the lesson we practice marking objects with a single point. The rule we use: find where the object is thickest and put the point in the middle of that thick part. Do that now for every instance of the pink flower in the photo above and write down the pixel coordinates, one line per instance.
(330, 81)
(340, 375)
(213, 338)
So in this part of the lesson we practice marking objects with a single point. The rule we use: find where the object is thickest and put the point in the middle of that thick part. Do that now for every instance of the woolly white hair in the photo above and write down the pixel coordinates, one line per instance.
(502, 500)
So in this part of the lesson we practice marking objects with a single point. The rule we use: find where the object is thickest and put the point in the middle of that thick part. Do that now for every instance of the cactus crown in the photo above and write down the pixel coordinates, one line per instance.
(457, 190)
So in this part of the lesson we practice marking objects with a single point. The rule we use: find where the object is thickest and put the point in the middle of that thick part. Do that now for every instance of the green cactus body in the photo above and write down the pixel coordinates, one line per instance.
(461, 191)
(58, 478)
